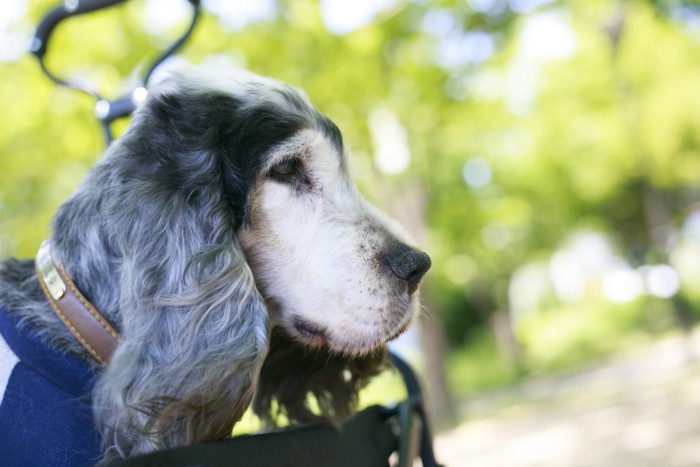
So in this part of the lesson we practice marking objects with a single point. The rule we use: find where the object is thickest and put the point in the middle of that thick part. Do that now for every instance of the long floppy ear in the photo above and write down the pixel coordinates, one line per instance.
(292, 373)
(194, 327)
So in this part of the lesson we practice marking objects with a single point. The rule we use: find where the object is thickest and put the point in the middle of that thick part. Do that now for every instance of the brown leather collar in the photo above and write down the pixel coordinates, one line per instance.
(79, 315)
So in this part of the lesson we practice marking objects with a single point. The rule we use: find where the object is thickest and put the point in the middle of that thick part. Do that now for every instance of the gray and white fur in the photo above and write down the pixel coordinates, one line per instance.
(222, 237)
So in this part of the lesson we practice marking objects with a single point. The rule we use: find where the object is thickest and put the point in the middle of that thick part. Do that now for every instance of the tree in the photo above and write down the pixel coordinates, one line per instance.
(523, 121)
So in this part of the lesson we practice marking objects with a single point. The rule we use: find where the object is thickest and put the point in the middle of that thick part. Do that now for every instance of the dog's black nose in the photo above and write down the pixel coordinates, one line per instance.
(408, 264)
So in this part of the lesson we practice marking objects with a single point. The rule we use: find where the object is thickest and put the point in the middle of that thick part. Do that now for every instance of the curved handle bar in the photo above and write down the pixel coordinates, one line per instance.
(66, 10)
(106, 111)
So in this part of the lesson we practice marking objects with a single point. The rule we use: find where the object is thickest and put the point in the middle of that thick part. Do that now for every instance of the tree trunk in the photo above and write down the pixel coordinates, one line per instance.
(408, 206)
(438, 403)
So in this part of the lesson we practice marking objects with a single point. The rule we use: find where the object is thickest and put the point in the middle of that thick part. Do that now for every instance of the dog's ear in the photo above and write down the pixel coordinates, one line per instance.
(194, 327)
(311, 385)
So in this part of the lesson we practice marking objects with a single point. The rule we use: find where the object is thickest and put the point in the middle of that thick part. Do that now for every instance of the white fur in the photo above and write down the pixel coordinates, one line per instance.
(243, 84)
(318, 254)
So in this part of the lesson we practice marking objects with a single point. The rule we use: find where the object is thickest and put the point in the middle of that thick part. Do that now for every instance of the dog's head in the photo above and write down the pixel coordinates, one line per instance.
(227, 210)
(333, 270)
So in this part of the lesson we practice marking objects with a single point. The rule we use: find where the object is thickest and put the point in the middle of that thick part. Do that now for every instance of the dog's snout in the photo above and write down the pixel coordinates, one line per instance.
(408, 264)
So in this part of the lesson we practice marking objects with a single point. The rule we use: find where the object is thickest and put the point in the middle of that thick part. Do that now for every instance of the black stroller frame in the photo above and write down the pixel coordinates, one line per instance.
(369, 439)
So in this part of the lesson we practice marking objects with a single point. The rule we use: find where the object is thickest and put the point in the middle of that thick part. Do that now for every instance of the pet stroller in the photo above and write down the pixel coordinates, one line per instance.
(377, 436)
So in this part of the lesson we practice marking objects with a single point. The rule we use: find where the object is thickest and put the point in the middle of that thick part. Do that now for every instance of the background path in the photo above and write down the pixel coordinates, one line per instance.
(640, 410)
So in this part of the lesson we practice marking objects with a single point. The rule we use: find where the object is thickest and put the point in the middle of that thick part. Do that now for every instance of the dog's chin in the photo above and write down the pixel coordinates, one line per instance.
(352, 344)
(400, 329)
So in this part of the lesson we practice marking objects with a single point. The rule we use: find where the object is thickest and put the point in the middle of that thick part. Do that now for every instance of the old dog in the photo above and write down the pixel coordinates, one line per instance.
(223, 247)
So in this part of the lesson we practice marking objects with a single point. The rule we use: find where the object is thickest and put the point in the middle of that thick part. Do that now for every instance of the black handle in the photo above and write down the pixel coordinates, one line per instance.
(107, 111)
(67, 9)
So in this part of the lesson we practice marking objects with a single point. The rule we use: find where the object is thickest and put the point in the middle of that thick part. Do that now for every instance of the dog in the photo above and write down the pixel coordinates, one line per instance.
(227, 250)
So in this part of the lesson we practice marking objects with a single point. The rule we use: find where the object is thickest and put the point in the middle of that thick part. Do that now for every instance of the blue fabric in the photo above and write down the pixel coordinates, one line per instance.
(45, 415)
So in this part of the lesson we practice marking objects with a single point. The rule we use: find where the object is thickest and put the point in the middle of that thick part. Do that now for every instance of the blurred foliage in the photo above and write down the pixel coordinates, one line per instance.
(572, 115)
(479, 366)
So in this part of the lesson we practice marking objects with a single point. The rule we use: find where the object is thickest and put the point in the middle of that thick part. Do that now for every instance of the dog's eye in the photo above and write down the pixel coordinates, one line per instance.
(286, 169)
